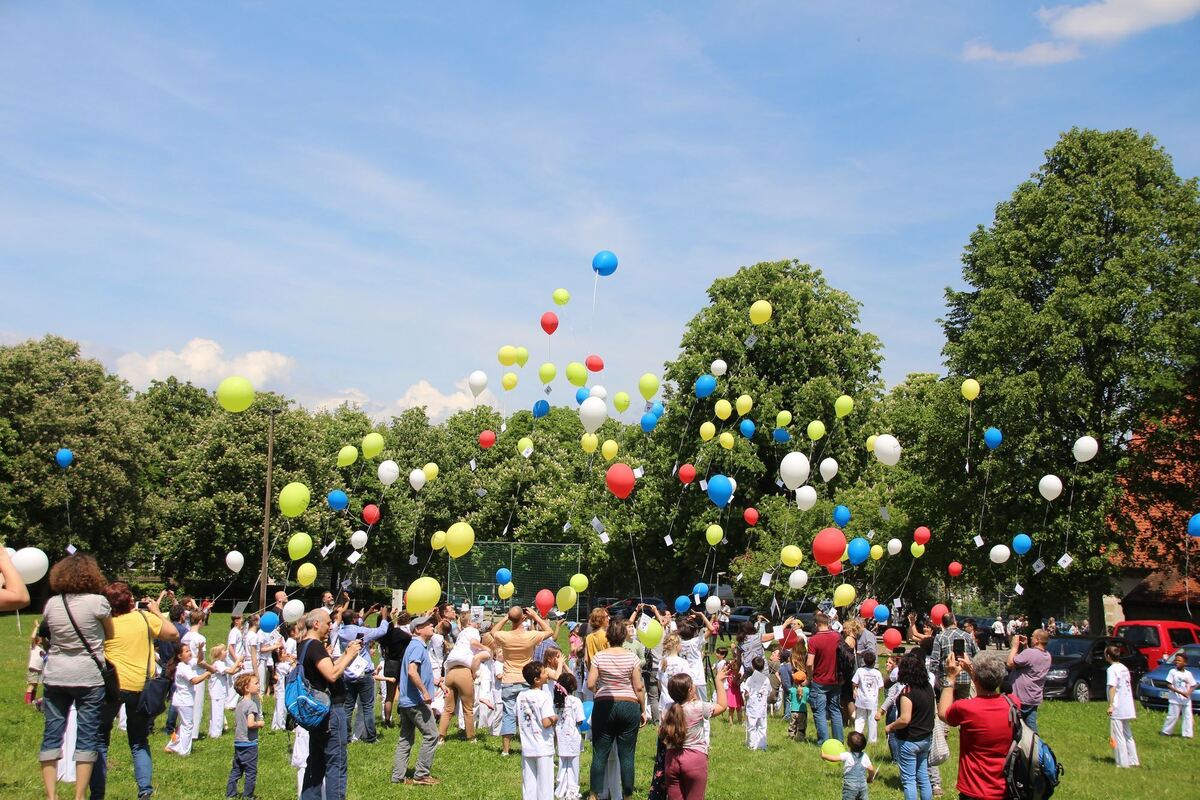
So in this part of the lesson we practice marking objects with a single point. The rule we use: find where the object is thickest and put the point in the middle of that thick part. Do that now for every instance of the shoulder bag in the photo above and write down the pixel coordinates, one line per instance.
(157, 689)
(112, 686)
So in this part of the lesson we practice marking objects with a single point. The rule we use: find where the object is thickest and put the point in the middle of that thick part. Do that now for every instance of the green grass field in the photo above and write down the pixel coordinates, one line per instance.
(1077, 732)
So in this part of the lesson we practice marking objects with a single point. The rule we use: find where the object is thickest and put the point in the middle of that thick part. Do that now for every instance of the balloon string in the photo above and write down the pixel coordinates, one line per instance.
(686, 426)
(636, 571)
(226, 589)
(1070, 504)
(1045, 518)
(67, 487)
(592, 321)
(986, 479)
(967, 445)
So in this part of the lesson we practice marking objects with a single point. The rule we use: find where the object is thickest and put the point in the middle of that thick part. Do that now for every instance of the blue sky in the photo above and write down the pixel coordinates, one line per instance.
(364, 201)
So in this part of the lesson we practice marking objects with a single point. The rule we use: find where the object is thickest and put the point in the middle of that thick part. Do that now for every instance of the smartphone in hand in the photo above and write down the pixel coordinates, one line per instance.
(960, 648)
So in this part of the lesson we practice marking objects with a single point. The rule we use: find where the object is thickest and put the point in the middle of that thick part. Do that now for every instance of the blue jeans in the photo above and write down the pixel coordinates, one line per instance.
(89, 708)
(1029, 715)
(137, 727)
(327, 758)
(893, 742)
(361, 692)
(825, 700)
(508, 695)
(172, 718)
(914, 768)
(245, 765)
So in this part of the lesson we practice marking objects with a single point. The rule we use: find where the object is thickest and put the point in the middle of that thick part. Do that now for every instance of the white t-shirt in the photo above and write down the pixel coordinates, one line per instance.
(669, 666)
(250, 643)
(533, 706)
(461, 655)
(1184, 681)
(867, 683)
(268, 640)
(756, 688)
(1122, 704)
(185, 690)
(848, 762)
(197, 643)
(566, 728)
(692, 651)
(998, 628)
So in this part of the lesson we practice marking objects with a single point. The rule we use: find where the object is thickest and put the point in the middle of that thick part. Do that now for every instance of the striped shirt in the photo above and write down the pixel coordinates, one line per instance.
(616, 669)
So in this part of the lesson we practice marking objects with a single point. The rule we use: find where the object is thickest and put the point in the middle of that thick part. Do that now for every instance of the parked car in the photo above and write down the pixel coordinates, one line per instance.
(625, 608)
(1152, 688)
(1155, 638)
(1078, 669)
(742, 614)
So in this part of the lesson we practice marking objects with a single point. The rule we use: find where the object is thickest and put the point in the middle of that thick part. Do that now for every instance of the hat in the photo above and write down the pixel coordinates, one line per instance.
(424, 619)
(572, 626)
(799, 677)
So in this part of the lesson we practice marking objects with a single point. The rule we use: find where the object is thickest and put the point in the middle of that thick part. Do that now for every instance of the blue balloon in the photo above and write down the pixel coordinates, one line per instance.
(1021, 544)
(746, 426)
(581, 394)
(541, 408)
(649, 421)
(268, 622)
(1194, 525)
(64, 457)
(781, 435)
(859, 550)
(587, 715)
(992, 438)
(700, 589)
(658, 409)
(337, 500)
(882, 613)
(604, 263)
(682, 605)
(705, 385)
(720, 490)
(841, 518)
(503, 576)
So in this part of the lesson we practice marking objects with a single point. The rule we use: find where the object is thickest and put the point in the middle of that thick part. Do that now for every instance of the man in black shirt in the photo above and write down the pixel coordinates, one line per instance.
(327, 746)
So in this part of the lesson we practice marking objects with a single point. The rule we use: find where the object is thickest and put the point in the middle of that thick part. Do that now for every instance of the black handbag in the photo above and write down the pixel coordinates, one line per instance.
(112, 686)
(157, 689)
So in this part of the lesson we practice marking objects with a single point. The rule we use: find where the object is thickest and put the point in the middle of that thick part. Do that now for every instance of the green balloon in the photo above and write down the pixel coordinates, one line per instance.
(293, 500)
(576, 373)
(235, 394)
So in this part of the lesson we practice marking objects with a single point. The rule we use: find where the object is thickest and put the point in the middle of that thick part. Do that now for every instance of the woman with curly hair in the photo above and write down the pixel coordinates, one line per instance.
(79, 619)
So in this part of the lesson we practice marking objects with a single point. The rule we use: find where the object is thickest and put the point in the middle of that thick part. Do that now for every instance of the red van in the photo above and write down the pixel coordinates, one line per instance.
(1157, 638)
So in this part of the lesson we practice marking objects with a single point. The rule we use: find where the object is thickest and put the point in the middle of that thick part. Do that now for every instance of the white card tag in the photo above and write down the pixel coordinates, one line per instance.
(751, 340)
(695, 599)
(325, 550)
(778, 631)
(505, 531)
(779, 482)
(978, 540)
(397, 598)
(548, 389)
(354, 557)
(897, 603)
(503, 427)
(346, 584)
(603, 538)
(566, 526)
(1019, 589)
(527, 452)
(1038, 566)
(597, 525)
(639, 472)
(668, 540)
(725, 540)
(703, 485)
(870, 534)
(476, 613)
(643, 623)
(649, 405)
(675, 468)
(481, 492)
(884, 514)
(70, 549)
(1065, 561)
(412, 560)
(739, 577)
(473, 465)
(765, 580)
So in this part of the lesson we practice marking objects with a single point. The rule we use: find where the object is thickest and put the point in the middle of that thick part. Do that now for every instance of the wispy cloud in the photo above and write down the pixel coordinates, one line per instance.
(203, 362)
(438, 404)
(1034, 55)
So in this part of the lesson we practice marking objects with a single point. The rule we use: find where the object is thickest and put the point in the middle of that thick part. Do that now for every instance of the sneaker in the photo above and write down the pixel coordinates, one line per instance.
(428, 780)
(441, 741)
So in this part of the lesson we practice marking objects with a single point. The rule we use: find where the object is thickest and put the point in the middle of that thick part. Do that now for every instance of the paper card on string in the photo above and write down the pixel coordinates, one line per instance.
(1065, 561)
(779, 482)
(870, 534)
(325, 550)
(476, 614)
(345, 584)
(668, 540)
(412, 560)
(1019, 589)
(643, 623)
(503, 427)
(695, 599)
(597, 525)
(703, 485)
(1038, 566)
(603, 538)
(739, 577)
(70, 549)
(649, 405)
(639, 472)
(778, 631)
(548, 389)
(566, 526)
(765, 580)
(239, 608)
(884, 514)
(978, 540)
(398, 598)
(354, 557)
(473, 465)
(751, 340)
(675, 468)
(527, 452)
(481, 492)
(898, 602)
(505, 531)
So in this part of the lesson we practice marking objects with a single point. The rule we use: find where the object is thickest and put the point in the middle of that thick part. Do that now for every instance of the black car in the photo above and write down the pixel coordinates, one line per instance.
(624, 609)
(1078, 669)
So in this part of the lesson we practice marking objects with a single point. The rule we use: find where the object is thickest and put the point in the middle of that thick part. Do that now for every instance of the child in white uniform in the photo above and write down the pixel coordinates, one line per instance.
(219, 689)
(199, 645)
(868, 682)
(187, 678)
(285, 660)
(756, 690)
(1121, 712)
(569, 710)
(1180, 684)
(535, 721)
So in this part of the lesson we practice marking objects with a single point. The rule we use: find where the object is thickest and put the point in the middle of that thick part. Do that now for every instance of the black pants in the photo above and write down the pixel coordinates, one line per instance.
(245, 763)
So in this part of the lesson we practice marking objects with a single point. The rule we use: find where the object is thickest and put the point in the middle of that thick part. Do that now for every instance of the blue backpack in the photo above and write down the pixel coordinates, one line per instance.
(308, 706)
(1031, 770)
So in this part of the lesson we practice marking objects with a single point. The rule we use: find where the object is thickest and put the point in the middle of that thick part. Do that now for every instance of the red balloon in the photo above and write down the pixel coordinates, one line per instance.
(751, 516)
(620, 480)
(544, 601)
(921, 535)
(687, 473)
(370, 514)
(828, 546)
(834, 568)
(867, 609)
(938, 611)
(892, 638)
(487, 439)
(549, 322)
(594, 363)
(955, 569)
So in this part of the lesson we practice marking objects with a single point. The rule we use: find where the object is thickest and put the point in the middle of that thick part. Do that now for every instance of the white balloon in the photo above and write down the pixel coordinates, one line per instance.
(10, 552)
(828, 469)
(1050, 486)
(598, 391)
(794, 470)
(235, 561)
(894, 547)
(416, 479)
(713, 604)
(592, 413)
(806, 498)
(478, 382)
(719, 368)
(31, 564)
(293, 610)
(798, 579)
(887, 449)
(999, 554)
(358, 540)
(732, 483)
(1085, 449)
(388, 472)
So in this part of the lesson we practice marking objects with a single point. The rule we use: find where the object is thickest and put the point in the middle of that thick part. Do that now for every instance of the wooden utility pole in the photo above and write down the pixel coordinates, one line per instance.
(266, 537)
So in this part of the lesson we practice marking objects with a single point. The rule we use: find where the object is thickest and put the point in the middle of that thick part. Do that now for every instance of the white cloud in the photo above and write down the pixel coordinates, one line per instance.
(1110, 21)
(1033, 55)
(438, 404)
(203, 362)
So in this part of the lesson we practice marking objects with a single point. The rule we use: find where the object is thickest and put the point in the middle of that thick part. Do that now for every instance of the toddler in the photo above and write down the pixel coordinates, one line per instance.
(798, 706)
(247, 719)
(37, 660)
(857, 769)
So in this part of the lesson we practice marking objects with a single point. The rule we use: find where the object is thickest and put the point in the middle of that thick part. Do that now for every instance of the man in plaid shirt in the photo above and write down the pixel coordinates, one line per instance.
(943, 645)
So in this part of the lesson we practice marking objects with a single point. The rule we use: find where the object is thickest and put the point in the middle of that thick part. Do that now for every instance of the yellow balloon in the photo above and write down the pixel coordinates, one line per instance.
(579, 582)
(816, 429)
(844, 595)
(423, 595)
(707, 431)
(460, 538)
(522, 356)
(783, 419)
(235, 394)
(744, 404)
(917, 550)
(843, 405)
(589, 442)
(832, 748)
(372, 445)
(651, 635)
(565, 598)
(293, 499)
(561, 297)
(547, 372)
(438, 540)
(523, 444)
(727, 440)
(506, 590)
(507, 355)
(723, 409)
(621, 401)
(714, 535)
(791, 555)
(846, 553)
(509, 381)
(876, 552)
(576, 374)
(609, 449)
(299, 546)
(648, 385)
(347, 455)
(760, 312)
(871, 443)
(431, 471)
(970, 389)
(306, 574)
